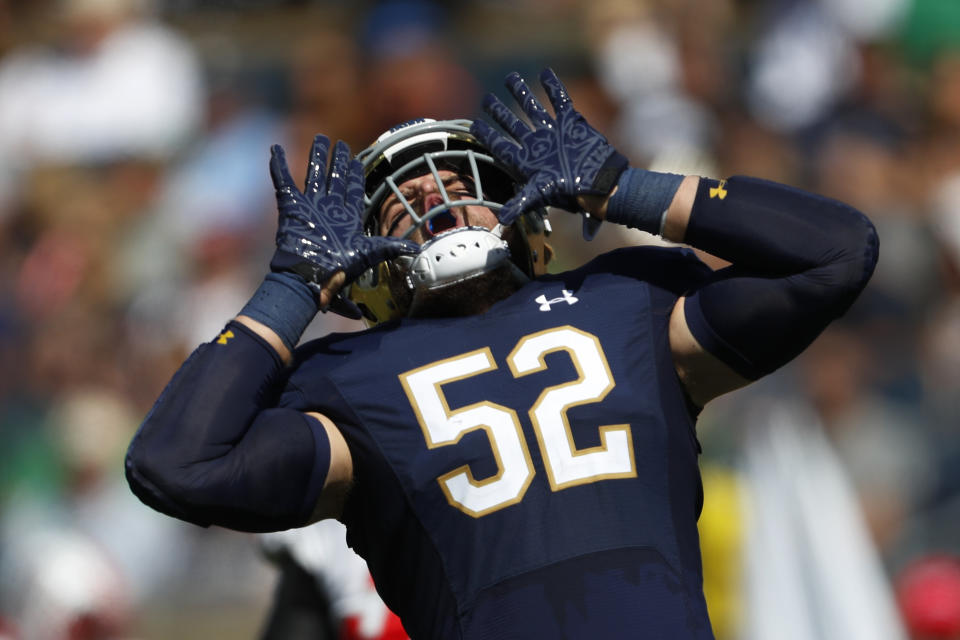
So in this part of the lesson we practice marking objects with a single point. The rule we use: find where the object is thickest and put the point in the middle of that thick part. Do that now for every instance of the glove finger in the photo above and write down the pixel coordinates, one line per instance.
(590, 227)
(385, 248)
(527, 101)
(500, 147)
(355, 184)
(279, 172)
(511, 210)
(528, 198)
(487, 135)
(318, 163)
(502, 115)
(345, 307)
(336, 179)
(368, 252)
(557, 93)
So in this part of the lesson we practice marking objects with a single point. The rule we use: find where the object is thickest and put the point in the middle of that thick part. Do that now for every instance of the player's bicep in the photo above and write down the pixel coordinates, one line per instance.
(339, 474)
(704, 376)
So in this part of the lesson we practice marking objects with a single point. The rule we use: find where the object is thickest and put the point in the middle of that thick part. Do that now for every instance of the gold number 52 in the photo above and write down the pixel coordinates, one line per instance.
(566, 465)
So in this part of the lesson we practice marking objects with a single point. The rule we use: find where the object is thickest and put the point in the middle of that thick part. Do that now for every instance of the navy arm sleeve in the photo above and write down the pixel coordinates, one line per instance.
(214, 449)
(799, 261)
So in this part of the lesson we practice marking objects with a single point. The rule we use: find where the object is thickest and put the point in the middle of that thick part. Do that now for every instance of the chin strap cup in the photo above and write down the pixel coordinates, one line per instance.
(456, 255)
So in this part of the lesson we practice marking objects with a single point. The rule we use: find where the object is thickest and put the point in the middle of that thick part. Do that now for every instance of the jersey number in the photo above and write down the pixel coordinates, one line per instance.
(566, 465)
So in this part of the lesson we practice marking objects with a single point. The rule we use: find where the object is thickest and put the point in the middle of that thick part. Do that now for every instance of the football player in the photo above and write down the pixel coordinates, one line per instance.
(513, 452)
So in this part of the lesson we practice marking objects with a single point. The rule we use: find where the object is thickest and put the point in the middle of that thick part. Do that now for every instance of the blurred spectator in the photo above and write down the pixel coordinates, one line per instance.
(327, 91)
(882, 445)
(811, 570)
(640, 64)
(94, 426)
(116, 84)
(412, 70)
(324, 590)
(722, 527)
(801, 66)
(929, 28)
(868, 20)
(91, 519)
(58, 585)
(188, 265)
(928, 592)
(940, 356)
(859, 158)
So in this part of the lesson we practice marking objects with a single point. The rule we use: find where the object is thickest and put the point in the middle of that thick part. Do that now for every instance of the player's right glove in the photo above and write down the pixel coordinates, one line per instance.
(320, 229)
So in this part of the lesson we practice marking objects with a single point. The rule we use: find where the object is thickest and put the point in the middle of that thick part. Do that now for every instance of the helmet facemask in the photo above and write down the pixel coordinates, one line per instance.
(452, 255)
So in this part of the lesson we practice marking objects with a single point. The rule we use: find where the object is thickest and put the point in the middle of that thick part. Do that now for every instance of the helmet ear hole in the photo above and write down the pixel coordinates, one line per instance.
(380, 294)
(528, 245)
(368, 316)
(547, 258)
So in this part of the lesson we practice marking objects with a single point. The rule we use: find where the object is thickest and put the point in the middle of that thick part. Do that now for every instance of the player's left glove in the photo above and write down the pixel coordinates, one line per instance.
(320, 229)
(561, 157)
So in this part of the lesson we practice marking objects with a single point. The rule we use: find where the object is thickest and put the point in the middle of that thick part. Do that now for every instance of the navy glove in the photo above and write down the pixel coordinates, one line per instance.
(320, 230)
(560, 158)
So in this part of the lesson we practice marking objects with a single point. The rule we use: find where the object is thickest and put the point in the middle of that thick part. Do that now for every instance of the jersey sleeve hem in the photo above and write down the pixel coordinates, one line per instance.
(711, 341)
(321, 465)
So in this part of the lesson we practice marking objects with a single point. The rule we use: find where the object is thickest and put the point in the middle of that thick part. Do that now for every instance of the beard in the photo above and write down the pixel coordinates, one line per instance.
(470, 296)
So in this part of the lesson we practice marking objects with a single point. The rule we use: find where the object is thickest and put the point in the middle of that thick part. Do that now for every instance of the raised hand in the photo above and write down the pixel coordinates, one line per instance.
(320, 230)
(560, 157)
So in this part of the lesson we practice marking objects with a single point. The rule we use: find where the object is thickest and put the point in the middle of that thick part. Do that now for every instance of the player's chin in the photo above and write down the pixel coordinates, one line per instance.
(468, 296)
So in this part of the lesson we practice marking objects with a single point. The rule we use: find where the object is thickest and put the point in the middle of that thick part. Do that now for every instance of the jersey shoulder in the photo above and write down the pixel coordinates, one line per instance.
(318, 361)
(674, 269)
(341, 345)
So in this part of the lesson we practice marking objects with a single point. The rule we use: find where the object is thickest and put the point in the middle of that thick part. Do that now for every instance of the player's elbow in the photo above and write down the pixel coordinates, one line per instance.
(263, 481)
(161, 481)
(856, 259)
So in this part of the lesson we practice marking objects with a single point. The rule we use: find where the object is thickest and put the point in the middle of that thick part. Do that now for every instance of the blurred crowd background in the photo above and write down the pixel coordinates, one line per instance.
(137, 216)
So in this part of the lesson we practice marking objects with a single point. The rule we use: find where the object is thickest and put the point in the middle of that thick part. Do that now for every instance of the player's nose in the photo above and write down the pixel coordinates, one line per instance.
(429, 197)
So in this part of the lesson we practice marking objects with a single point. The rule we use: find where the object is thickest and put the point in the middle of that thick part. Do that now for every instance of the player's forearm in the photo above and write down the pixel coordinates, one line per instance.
(270, 336)
(799, 261)
(777, 230)
(753, 223)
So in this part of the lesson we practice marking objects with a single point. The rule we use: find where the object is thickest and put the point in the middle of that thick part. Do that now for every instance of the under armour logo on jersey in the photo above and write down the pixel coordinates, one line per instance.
(545, 304)
(224, 337)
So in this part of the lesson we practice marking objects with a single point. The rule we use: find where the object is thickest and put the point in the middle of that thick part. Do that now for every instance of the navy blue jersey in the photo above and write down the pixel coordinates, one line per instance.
(530, 471)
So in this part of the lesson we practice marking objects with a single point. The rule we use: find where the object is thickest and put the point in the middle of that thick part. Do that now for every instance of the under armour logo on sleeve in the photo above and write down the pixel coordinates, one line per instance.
(719, 191)
(566, 297)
